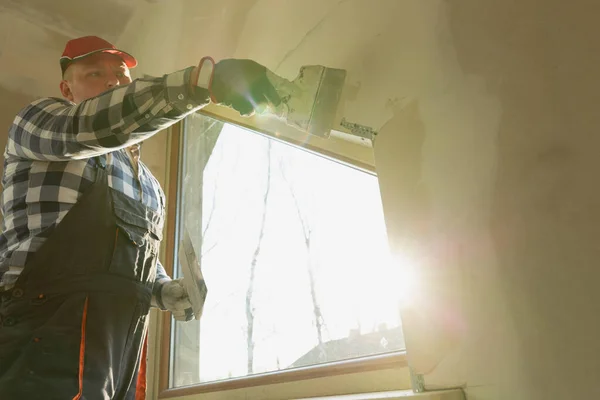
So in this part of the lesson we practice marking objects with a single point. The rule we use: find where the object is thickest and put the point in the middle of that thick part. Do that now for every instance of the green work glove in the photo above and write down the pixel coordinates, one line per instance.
(243, 85)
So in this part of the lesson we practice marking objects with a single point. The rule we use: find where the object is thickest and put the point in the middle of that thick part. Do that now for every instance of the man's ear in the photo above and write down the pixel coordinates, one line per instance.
(65, 89)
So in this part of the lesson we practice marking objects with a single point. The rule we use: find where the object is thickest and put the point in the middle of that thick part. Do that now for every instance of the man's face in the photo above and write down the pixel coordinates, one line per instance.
(92, 76)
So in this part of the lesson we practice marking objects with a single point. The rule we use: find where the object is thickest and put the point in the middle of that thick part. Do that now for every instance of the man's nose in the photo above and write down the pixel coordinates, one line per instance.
(112, 80)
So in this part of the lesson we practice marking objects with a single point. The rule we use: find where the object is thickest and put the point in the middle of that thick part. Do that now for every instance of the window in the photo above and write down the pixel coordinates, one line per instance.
(294, 253)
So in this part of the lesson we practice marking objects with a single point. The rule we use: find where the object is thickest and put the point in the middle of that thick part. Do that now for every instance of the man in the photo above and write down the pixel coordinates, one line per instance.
(83, 220)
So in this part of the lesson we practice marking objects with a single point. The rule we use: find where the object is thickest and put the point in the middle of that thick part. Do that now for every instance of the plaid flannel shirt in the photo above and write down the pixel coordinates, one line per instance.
(49, 164)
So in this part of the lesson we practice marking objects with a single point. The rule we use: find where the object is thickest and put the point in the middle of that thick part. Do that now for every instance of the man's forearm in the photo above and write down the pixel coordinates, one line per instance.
(56, 130)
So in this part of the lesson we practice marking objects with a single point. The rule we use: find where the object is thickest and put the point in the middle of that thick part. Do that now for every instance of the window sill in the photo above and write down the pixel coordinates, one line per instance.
(377, 375)
(454, 394)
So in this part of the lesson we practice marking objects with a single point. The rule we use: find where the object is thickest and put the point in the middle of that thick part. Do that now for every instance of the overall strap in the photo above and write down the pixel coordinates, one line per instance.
(100, 161)
(100, 165)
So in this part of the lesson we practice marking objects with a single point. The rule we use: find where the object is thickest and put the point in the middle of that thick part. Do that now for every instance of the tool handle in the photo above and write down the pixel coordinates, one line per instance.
(212, 74)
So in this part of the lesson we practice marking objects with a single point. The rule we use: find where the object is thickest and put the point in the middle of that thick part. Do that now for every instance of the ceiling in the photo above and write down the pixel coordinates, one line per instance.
(33, 34)
(74, 18)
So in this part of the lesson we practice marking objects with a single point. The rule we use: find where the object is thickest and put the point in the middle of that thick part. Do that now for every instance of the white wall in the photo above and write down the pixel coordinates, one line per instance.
(486, 157)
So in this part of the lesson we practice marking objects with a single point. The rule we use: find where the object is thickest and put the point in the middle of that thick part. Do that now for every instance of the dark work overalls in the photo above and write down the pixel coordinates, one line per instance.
(74, 325)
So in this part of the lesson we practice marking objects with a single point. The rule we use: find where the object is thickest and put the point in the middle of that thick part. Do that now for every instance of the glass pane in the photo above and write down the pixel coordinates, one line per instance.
(293, 249)
(201, 134)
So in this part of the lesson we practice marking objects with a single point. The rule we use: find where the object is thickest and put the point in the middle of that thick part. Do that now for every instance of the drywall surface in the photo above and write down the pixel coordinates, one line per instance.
(171, 35)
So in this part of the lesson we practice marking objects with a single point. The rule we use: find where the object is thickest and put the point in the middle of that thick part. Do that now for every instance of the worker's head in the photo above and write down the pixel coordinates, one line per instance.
(91, 66)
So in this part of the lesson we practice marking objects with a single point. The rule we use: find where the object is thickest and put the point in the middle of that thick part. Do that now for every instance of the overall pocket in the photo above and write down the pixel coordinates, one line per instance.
(136, 247)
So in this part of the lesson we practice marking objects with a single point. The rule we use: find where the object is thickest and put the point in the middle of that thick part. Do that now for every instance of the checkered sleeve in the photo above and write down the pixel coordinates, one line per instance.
(52, 129)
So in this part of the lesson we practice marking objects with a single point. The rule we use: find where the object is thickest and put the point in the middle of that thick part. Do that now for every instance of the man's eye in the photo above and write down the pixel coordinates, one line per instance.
(95, 73)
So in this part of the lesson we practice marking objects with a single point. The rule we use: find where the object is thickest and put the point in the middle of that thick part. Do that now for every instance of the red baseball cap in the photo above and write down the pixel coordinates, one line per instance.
(79, 48)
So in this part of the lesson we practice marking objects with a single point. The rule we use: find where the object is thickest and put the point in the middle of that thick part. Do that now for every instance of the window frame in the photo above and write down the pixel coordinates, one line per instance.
(389, 363)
